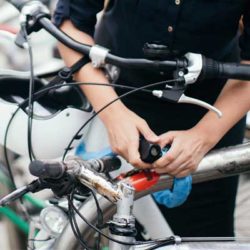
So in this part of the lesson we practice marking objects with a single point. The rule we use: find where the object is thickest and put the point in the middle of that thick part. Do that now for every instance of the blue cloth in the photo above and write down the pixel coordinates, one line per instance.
(81, 151)
(181, 190)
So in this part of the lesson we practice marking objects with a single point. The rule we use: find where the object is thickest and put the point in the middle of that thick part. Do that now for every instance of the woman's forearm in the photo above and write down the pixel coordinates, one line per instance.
(123, 126)
(234, 102)
(188, 147)
(97, 95)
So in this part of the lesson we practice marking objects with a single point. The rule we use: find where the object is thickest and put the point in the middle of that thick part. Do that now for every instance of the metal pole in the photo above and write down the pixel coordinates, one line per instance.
(122, 227)
(217, 164)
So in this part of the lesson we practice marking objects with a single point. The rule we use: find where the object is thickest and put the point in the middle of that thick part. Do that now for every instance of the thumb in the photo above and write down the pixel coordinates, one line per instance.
(134, 156)
(148, 133)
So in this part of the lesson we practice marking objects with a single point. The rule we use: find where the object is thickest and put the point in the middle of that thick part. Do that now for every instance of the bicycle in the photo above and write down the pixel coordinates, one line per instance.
(56, 176)
(52, 174)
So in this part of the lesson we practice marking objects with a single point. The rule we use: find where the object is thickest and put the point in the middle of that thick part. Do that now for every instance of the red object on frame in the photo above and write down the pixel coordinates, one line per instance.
(143, 180)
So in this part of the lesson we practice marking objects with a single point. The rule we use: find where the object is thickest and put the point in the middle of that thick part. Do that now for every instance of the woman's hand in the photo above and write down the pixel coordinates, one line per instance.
(187, 150)
(124, 128)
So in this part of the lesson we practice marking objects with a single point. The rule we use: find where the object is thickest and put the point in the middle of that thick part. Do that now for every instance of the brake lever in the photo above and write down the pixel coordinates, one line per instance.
(185, 76)
(176, 95)
(190, 100)
(33, 187)
(60, 187)
(18, 193)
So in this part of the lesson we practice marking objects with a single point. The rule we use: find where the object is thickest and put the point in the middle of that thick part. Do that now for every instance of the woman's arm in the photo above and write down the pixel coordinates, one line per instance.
(190, 146)
(123, 125)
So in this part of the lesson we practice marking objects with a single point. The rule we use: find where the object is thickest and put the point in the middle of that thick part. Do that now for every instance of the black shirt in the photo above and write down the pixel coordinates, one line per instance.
(209, 27)
(205, 26)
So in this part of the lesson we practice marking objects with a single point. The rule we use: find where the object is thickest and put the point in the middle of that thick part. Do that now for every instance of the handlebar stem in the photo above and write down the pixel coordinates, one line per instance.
(122, 227)
(80, 169)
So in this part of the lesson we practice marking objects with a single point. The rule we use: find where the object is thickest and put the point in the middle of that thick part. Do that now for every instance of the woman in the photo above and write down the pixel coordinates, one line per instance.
(199, 26)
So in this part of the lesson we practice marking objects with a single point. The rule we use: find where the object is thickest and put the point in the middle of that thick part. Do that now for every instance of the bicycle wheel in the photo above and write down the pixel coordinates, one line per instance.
(218, 164)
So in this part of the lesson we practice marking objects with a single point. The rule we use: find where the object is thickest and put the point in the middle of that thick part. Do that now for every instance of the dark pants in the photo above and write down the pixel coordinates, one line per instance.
(209, 210)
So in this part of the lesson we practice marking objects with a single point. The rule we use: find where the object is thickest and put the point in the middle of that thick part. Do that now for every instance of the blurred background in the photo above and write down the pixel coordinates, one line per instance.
(12, 57)
(13, 237)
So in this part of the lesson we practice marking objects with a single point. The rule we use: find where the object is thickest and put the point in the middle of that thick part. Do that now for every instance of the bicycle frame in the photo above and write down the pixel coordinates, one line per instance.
(217, 164)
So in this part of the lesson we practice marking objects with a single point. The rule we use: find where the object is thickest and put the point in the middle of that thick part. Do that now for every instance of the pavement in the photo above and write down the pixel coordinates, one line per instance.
(242, 212)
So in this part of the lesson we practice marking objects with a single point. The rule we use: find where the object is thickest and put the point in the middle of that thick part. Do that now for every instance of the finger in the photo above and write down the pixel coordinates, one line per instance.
(172, 170)
(179, 169)
(170, 157)
(119, 148)
(147, 132)
(177, 166)
(160, 170)
(183, 161)
(184, 173)
(166, 138)
(134, 157)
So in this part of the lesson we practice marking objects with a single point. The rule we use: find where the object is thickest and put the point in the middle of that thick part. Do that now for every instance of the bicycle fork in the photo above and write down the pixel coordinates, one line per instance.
(122, 227)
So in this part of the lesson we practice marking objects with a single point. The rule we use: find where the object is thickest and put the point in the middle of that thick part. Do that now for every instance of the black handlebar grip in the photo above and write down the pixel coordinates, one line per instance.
(149, 152)
(110, 163)
(234, 71)
(104, 165)
(47, 169)
(212, 69)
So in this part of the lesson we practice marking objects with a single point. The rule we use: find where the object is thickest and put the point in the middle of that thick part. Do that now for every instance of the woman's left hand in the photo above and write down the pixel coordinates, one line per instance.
(188, 147)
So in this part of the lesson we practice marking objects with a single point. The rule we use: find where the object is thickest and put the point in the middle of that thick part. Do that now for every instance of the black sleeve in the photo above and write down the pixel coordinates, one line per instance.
(82, 13)
(245, 37)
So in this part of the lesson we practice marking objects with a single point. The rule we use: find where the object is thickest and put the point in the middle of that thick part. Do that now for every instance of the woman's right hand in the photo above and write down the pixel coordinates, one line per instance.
(124, 129)
(124, 126)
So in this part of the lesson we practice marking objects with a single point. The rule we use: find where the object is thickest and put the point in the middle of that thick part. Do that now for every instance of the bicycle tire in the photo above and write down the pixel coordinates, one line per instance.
(217, 164)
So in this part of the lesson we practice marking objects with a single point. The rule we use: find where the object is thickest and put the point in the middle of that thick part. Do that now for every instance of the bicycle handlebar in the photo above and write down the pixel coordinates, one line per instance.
(197, 66)
(61, 177)
(109, 58)
(87, 172)
(214, 69)
(208, 69)
(234, 71)
(47, 169)
(55, 169)
(17, 194)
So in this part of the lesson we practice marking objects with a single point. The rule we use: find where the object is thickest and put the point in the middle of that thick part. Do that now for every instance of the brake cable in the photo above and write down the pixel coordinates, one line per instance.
(113, 101)
(31, 91)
